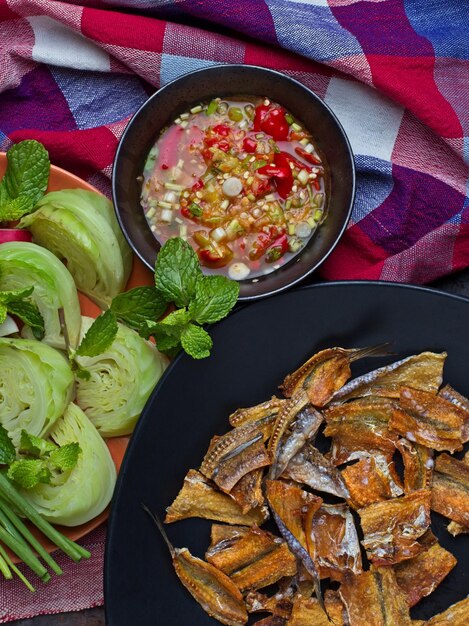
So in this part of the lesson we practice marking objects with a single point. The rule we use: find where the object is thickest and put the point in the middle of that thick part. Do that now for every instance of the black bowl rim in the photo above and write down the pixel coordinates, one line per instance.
(240, 66)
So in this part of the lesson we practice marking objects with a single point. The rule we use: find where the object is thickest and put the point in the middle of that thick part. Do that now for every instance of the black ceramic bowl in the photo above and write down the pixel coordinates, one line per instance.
(224, 81)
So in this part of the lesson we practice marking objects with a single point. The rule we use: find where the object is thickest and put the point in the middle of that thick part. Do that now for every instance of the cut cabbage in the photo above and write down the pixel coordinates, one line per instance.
(24, 264)
(77, 496)
(121, 380)
(80, 227)
(36, 384)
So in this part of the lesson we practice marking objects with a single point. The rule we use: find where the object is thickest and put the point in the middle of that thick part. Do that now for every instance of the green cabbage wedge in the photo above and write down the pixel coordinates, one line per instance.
(121, 380)
(80, 227)
(23, 265)
(36, 384)
(77, 496)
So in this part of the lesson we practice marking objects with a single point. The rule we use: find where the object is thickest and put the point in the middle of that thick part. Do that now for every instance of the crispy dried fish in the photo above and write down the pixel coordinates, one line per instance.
(391, 528)
(419, 576)
(233, 443)
(325, 372)
(304, 429)
(231, 471)
(450, 489)
(374, 599)
(421, 371)
(454, 528)
(288, 504)
(418, 465)
(312, 468)
(199, 498)
(333, 541)
(212, 589)
(253, 414)
(359, 425)
(456, 615)
(267, 570)
(248, 491)
(372, 479)
(307, 611)
(224, 532)
(450, 394)
(335, 608)
(255, 560)
(428, 419)
(279, 604)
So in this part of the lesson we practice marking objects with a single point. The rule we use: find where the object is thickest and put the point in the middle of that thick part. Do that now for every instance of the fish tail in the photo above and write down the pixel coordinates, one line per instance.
(381, 349)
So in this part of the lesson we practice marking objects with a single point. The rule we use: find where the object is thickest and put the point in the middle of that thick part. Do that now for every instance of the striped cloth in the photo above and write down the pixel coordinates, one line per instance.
(396, 73)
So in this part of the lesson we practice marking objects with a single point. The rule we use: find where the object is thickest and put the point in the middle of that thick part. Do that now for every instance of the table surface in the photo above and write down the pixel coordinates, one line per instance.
(457, 283)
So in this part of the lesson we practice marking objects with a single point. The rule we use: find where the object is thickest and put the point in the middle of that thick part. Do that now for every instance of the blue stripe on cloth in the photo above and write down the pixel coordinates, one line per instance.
(446, 28)
(374, 184)
(173, 66)
(312, 31)
(96, 99)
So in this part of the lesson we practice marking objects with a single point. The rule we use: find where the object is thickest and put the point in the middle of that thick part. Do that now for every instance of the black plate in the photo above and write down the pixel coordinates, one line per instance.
(253, 350)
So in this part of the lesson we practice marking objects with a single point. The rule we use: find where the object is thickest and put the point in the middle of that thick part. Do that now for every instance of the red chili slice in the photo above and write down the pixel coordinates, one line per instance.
(281, 172)
(259, 115)
(311, 158)
(14, 234)
(275, 124)
(197, 185)
(298, 164)
(222, 129)
(249, 145)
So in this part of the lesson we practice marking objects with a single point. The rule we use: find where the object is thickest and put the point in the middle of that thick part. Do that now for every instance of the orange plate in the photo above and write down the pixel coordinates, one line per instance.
(60, 179)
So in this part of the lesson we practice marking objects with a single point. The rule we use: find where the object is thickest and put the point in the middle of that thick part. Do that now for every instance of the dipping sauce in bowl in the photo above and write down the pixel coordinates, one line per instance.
(241, 180)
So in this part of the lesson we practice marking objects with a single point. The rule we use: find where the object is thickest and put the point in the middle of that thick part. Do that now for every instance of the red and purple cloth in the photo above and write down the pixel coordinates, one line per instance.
(396, 73)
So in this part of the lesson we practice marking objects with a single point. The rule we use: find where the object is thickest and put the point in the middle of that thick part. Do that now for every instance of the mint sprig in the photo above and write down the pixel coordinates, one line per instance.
(17, 303)
(40, 460)
(25, 180)
(178, 281)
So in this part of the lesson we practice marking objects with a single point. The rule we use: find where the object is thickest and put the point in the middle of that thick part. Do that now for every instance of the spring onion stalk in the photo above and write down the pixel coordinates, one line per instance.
(4, 568)
(13, 567)
(25, 554)
(26, 533)
(71, 549)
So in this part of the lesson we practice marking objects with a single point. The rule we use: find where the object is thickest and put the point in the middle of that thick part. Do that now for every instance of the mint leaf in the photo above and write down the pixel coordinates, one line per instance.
(17, 294)
(99, 335)
(36, 446)
(27, 171)
(7, 449)
(177, 271)
(29, 314)
(177, 318)
(65, 458)
(29, 472)
(215, 296)
(167, 337)
(3, 313)
(134, 307)
(11, 210)
(196, 341)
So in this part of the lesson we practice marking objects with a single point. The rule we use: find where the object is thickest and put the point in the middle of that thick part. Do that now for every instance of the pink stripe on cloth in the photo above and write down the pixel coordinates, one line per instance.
(80, 587)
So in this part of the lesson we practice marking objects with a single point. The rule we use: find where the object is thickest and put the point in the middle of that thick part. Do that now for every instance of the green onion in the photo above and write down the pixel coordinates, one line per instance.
(222, 108)
(212, 107)
(318, 199)
(4, 568)
(196, 109)
(26, 533)
(258, 164)
(13, 567)
(259, 136)
(25, 554)
(318, 215)
(251, 197)
(195, 209)
(296, 127)
(249, 110)
(235, 114)
(289, 118)
(303, 176)
(71, 549)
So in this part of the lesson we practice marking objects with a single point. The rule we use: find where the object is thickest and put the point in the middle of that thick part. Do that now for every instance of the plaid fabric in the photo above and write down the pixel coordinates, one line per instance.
(396, 73)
